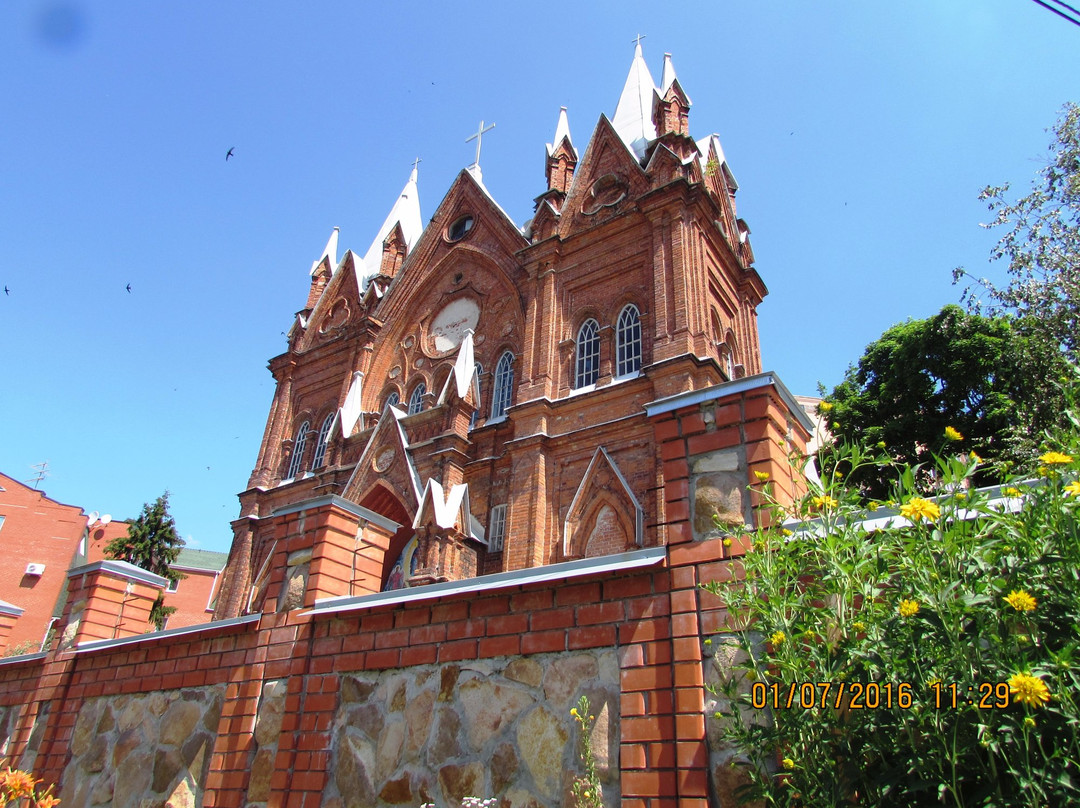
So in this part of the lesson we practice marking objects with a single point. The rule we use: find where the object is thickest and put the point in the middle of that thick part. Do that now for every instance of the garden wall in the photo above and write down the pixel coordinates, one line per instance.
(430, 694)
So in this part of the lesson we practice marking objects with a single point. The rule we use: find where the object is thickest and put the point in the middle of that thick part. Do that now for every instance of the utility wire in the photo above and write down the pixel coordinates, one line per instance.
(1061, 14)
(1065, 5)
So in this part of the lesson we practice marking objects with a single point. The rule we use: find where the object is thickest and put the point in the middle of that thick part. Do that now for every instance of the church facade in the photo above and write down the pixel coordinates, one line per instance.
(475, 390)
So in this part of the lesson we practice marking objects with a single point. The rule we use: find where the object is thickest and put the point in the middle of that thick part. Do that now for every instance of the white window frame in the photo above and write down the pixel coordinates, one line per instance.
(496, 532)
(172, 586)
(628, 342)
(502, 389)
(394, 399)
(416, 399)
(587, 355)
(320, 444)
(299, 444)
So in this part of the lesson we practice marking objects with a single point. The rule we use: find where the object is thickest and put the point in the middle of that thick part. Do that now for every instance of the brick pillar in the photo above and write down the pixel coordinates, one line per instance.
(8, 615)
(108, 600)
(348, 554)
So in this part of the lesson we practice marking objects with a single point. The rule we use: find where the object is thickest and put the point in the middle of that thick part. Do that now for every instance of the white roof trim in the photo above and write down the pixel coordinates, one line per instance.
(214, 625)
(406, 210)
(639, 512)
(122, 569)
(660, 406)
(330, 251)
(491, 583)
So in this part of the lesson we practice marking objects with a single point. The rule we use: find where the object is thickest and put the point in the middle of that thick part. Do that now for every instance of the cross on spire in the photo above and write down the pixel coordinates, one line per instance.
(416, 163)
(478, 137)
(638, 38)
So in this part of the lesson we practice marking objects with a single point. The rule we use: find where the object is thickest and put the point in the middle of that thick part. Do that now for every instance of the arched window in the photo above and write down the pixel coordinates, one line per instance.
(588, 354)
(416, 400)
(393, 399)
(298, 449)
(479, 393)
(503, 390)
(628, 341)
(320, 445)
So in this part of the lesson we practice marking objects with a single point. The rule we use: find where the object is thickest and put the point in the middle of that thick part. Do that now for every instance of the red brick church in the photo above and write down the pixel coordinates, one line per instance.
(470, 396)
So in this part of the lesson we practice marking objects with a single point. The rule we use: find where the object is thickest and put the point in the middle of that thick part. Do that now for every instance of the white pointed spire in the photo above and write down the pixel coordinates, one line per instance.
(329, 252)
(669, 75)
(633, 116)
(406, 211)
(562, 130)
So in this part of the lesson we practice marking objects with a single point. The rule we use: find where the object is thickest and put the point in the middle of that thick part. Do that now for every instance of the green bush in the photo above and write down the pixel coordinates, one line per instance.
(957, 616)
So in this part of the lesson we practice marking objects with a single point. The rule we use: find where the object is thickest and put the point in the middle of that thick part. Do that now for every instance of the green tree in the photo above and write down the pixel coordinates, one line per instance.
(1041, 245)
(153, 544)
(984, 377)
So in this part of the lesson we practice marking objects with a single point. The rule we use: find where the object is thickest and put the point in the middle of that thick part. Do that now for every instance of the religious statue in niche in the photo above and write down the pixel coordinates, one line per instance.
(404, 568)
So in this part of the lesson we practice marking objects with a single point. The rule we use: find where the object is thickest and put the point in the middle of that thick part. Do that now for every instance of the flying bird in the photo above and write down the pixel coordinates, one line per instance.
(7, 291)
(128, 287)
(229, 153)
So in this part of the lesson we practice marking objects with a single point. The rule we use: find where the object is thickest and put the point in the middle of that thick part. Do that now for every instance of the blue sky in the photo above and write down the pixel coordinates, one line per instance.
(860, 134)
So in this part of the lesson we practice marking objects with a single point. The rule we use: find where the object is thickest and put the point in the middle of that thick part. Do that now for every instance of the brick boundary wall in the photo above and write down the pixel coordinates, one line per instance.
(655, 618)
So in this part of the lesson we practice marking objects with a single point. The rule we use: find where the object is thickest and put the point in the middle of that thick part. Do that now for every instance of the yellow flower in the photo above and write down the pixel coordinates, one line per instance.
(788, 764)
(1020, 600)
(1011, 491)
(574, 712)
(708, 640)
(824, 406)
(881, 444)
(1029, 722)
(953, 434)
(785, 531)
(1055, 459)
(974, 458)
(824, 501)
(918, 508)
(18, 783)
(762, 476)
(777, 637)
(46, 800)
(1029, 690)
(858, 625)
(1073, 489)
(727, 542)
(908, 608)
(960, 495)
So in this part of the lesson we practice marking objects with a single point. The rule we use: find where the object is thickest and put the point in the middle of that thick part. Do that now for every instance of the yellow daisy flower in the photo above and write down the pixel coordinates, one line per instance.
(908, 608)
(761, 475)
(1055, 459)
(777, 637)
(1073, 489)
(824, 406)
(1029, 690)
(918, 508)
(824, 501)
(1011, 491)
(1020, 600)
(953, 434)
(788, 764)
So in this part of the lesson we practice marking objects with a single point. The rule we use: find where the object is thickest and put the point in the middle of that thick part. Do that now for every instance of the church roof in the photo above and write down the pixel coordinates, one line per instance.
(633, 115)
(406, 211)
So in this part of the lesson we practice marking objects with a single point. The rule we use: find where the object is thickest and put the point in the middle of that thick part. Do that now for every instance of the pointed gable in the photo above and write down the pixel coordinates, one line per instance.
(338, 305)
(604, 517)
(608, 176)
(386, 461)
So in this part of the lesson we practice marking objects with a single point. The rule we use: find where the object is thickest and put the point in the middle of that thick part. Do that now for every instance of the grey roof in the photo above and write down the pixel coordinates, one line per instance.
(192, 559)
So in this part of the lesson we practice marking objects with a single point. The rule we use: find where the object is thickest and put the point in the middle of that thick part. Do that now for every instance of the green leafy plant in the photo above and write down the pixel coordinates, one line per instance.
(586, 788)
(924, 653)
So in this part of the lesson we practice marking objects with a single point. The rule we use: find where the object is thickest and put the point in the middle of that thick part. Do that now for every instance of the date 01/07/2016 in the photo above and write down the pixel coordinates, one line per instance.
(877, 695)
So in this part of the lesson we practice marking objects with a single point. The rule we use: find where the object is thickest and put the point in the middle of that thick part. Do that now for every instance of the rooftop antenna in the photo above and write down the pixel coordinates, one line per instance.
(41, 472)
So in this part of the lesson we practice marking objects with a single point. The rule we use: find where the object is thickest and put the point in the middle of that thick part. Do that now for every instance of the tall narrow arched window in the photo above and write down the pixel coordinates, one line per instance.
(479, 395)
(320, 445)
(298, 449)
(416, 400)
(628, 341)
(588, 354)
(393, 399)
(503, 389)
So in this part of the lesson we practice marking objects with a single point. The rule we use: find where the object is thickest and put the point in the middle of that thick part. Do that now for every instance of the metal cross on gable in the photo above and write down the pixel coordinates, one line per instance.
(478, 137)
(638, 38)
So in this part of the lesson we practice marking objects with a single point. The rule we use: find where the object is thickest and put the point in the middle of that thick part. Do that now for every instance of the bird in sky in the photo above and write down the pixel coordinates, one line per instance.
(128, 287)
(229, 153)
(7, 291)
